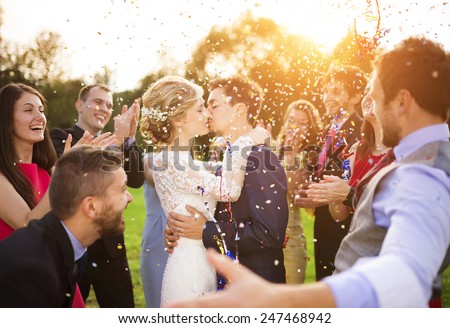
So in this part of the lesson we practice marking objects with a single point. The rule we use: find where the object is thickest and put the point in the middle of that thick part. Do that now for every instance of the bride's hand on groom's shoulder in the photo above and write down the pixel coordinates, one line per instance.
(260, 136)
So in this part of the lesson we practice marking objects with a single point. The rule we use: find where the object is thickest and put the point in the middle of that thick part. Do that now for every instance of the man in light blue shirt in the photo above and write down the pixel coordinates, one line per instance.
(400, 233)
(412, 205)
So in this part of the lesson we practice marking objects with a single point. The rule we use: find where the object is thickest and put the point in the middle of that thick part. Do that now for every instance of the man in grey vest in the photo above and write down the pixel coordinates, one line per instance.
(400, 235)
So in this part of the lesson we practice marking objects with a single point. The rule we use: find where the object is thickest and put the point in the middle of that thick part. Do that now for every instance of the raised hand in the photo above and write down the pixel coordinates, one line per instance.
(260, 136)
(125, 124)
(67, 143)
(301, 199)
(86, 139)
(329, 190)
(135, 110)
(104, 140)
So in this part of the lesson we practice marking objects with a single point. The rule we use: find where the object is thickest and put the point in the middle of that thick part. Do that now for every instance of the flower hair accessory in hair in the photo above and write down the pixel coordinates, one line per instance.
(155, 113)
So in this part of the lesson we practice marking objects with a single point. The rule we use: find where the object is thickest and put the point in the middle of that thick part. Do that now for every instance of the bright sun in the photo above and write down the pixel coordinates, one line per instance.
(318, 21)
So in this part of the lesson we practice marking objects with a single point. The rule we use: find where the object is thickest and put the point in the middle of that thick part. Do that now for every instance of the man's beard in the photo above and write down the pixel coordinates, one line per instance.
(109, 222)
(390, 131)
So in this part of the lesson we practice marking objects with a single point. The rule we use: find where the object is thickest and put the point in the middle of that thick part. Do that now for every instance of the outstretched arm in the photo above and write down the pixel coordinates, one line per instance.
(247, 290)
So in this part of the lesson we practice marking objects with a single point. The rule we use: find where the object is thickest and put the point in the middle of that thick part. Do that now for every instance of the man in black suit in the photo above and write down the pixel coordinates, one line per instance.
(254, 227)
(107, 268)
(88, 194)
(343, 88)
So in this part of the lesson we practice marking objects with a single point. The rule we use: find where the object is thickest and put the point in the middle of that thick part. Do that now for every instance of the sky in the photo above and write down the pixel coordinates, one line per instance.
(134, 38)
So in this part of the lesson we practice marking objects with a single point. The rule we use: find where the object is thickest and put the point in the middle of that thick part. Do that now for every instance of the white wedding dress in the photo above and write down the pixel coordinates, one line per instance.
(181, 181)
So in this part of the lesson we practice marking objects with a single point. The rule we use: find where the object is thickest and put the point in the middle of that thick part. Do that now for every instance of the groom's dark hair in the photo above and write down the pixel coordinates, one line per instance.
(241, 89)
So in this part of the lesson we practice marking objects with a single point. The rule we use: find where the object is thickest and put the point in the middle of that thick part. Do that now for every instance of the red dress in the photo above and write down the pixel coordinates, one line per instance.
(40, 180)
(361, 166)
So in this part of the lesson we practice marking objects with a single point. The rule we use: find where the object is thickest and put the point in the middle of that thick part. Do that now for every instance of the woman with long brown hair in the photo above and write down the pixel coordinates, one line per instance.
(301, 129)
(27, 157)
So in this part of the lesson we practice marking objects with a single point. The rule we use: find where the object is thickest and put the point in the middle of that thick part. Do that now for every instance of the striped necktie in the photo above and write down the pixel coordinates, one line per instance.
(327, 148)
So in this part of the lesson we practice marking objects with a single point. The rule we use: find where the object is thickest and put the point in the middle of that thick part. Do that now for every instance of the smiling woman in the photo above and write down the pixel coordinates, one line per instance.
(27, 157)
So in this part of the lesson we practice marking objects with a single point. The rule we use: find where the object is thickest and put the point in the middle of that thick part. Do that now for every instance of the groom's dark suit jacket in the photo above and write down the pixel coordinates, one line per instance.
(260, 217)
(37, 266)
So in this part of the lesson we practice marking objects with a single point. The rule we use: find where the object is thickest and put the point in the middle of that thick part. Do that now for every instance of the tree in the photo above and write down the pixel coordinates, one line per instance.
(42, 61)
(288, 67)
(61, 97)
(9, 69)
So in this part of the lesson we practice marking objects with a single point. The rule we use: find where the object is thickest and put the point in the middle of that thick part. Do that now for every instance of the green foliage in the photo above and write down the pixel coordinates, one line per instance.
(61, 98)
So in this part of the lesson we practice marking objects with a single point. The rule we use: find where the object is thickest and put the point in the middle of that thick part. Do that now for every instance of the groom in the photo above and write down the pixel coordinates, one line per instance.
(254, 226)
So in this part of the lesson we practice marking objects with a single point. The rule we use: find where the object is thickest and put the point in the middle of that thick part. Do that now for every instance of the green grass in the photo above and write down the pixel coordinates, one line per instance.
(134, 225)
(308, 223)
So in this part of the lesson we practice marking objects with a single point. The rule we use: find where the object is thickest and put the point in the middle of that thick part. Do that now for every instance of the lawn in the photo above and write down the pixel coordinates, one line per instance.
(134, 220)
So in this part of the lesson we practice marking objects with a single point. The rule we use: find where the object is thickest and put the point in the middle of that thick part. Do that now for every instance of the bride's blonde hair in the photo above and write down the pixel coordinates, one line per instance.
(164, 100)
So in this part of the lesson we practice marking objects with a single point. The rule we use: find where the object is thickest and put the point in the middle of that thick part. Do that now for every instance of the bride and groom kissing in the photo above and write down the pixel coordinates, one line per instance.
(240, 212)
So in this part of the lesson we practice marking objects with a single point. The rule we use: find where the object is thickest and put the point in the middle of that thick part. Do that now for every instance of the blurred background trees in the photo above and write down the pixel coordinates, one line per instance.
(287, 66)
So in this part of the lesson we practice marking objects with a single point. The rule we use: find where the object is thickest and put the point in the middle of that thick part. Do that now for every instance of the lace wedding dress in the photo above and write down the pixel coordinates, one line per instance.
(181, 181)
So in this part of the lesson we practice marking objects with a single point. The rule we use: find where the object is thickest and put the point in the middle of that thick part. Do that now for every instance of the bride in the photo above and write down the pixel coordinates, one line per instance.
(173, 114)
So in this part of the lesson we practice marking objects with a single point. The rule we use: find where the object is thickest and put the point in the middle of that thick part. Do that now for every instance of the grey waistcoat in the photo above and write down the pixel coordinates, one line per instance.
(365, 237)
